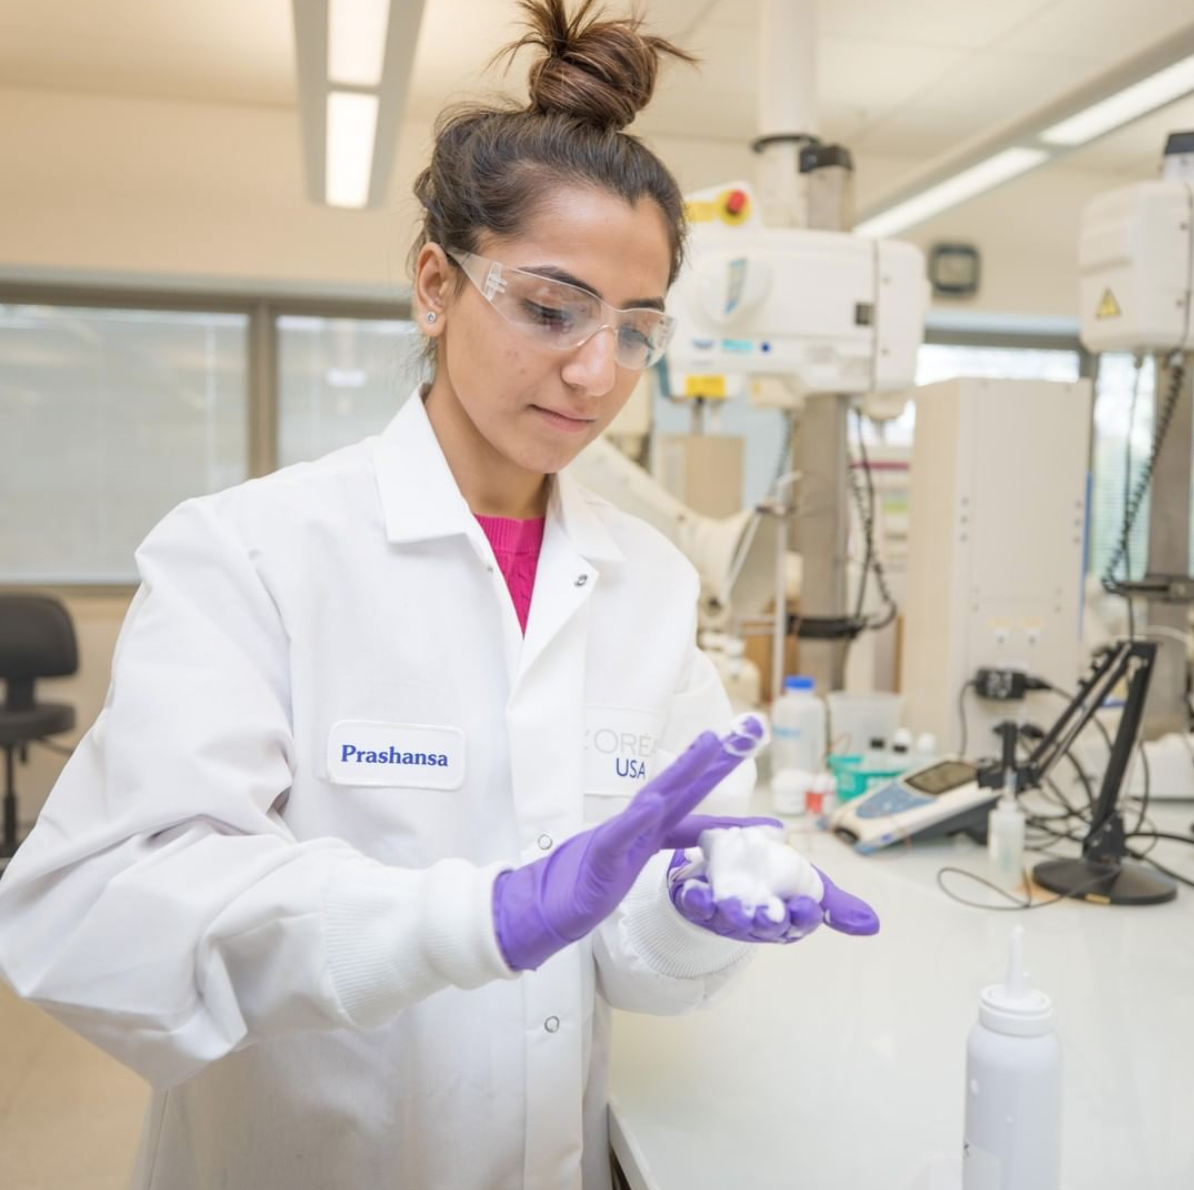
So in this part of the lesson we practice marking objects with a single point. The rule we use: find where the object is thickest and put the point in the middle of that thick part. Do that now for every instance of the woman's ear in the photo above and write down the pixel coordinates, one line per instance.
(433, 288)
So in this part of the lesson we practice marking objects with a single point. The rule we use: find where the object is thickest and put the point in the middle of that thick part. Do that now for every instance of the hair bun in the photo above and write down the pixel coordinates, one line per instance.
(599, 72)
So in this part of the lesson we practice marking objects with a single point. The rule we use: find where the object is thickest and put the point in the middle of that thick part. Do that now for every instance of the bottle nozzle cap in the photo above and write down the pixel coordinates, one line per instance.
(1017, 981)
(1012, 1006)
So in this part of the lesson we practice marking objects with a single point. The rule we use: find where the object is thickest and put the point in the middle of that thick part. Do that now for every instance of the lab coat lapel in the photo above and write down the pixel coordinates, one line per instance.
(574, 539)
(421, 501)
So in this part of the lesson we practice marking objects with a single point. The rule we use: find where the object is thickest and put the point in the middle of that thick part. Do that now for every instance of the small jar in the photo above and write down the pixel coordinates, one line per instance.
(789, 791)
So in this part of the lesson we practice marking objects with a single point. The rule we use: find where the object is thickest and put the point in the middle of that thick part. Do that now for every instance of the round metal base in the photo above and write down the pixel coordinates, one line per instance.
(1122, 883)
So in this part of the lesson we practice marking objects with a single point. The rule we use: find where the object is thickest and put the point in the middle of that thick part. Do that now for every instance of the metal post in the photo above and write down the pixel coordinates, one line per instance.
(1169, 557)
(8, 844)
(821, 453)
(263, 391)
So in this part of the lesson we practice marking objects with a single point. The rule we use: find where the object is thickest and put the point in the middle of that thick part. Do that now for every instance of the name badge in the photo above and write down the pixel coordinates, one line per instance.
(410, 755)
(619, 745)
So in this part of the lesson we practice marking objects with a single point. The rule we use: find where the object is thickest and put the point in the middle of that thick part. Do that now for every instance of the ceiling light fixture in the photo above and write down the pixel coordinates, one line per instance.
(357, 41)
(1129, 104)
(1143, 84)
(351, 128)
(354, 60)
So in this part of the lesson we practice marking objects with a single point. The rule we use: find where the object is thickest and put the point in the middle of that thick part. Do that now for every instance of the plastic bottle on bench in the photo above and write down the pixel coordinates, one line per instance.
(798, 727)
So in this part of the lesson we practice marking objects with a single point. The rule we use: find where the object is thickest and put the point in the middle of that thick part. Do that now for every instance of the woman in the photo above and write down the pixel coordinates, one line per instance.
(320, 870)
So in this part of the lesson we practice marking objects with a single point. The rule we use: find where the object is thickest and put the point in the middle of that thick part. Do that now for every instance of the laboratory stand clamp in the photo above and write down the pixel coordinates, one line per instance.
(1103, 873)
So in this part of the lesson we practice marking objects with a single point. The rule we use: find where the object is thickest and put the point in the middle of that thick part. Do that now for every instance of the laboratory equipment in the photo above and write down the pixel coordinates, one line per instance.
(855, 719)
(735, 556)
(1006, 829)
(1103, 874)
(1006, 824)
(856, 774)
(1136, 262)
(996, 548)
(939, 799)
(1012, 1129)
(798, 727)
(738, 673)
(789, 791)
(828, 311)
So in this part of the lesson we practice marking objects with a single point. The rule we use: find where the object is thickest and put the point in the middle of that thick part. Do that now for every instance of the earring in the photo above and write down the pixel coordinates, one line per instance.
(431, 316)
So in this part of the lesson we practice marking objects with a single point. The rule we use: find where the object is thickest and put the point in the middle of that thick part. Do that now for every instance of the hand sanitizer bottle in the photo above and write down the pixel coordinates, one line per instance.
(1012, 1138)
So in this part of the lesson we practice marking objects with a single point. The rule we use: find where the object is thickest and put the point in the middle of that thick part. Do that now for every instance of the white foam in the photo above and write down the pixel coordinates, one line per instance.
(754, 864)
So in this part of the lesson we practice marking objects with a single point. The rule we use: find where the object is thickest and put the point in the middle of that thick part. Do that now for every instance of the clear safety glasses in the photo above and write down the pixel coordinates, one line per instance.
(561, 316)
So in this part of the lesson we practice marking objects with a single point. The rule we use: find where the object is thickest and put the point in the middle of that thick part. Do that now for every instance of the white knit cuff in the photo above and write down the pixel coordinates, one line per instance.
(393, 936)
(664, 939)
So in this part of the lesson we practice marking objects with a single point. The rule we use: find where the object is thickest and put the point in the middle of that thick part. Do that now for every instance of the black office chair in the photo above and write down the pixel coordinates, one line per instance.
(37, 640)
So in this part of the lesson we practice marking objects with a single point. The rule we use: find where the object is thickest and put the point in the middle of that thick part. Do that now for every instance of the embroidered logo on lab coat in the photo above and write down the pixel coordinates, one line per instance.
(409, 755)
(619, 745)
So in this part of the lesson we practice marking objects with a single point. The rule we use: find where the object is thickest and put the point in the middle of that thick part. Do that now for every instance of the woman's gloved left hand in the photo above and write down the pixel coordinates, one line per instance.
(693, 897)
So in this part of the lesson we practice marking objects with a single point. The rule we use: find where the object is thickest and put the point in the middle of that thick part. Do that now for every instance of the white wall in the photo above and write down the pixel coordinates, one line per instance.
(166, 189)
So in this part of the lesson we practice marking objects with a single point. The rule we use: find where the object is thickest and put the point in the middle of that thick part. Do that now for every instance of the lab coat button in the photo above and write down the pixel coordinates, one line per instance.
(581, 579)
(545, 842)
(552, 1024)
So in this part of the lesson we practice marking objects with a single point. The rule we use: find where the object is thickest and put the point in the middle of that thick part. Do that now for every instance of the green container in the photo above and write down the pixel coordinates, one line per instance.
(854, 777)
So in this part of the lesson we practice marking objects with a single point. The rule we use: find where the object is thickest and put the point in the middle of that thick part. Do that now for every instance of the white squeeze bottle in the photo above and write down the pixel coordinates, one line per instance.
(798, 728)
(1012, 1136)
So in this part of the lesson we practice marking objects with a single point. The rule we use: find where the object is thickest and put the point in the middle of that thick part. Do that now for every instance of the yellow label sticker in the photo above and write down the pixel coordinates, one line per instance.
(701, 212)
(705, 386)
(1108, 306)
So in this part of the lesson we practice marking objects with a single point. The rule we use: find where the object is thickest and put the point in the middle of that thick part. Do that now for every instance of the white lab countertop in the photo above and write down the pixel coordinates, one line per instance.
(838, 1063)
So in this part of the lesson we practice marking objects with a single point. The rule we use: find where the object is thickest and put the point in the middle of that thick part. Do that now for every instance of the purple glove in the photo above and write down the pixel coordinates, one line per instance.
(841, 911)
(542, 907)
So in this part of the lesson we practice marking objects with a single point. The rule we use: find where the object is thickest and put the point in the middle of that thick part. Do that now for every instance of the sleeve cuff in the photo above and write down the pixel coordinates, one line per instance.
(394, 936)
(655, 930)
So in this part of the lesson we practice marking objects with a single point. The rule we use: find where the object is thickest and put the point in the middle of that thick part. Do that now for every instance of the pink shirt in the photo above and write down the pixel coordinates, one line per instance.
(516, 546)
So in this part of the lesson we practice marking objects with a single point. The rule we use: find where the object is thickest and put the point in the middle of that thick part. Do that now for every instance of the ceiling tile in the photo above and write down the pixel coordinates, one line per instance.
(928, 22)
(1100, 32)
(223, 50)
(984, 91)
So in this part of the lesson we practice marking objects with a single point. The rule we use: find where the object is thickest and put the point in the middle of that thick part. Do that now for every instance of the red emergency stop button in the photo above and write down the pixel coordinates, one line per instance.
(735, 202)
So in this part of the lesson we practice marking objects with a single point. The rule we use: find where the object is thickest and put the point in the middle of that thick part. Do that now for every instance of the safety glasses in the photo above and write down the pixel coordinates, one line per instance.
(561, 316)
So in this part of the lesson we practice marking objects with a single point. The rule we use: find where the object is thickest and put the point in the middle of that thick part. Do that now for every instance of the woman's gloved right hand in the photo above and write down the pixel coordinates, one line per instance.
(542, 907)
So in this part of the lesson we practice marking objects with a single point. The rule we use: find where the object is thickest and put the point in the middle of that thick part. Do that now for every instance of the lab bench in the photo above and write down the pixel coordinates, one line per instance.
(838, 1063)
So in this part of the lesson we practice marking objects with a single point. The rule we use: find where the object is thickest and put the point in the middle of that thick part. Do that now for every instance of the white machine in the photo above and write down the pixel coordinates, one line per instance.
(735, 556)
(996, 548)
(1136, 261)
(829, 311)
(936, 799)
(1136, 253)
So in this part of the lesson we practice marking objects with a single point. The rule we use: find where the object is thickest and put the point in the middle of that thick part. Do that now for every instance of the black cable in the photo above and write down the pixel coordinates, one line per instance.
(1126, 528)
(1145, 858)
(1047, 685)
(1161, 835)
(866, 513)
(1017, 905)
(1141, 489)
(867, 517)
(1084, 779)
(962, 714)
(1110, 747)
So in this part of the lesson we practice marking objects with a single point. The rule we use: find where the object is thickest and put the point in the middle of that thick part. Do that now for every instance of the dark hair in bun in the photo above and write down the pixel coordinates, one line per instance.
(601, 72)
(492, 166)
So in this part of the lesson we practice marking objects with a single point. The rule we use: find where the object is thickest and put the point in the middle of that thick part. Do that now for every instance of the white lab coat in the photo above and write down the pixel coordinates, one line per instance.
(297, 951)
